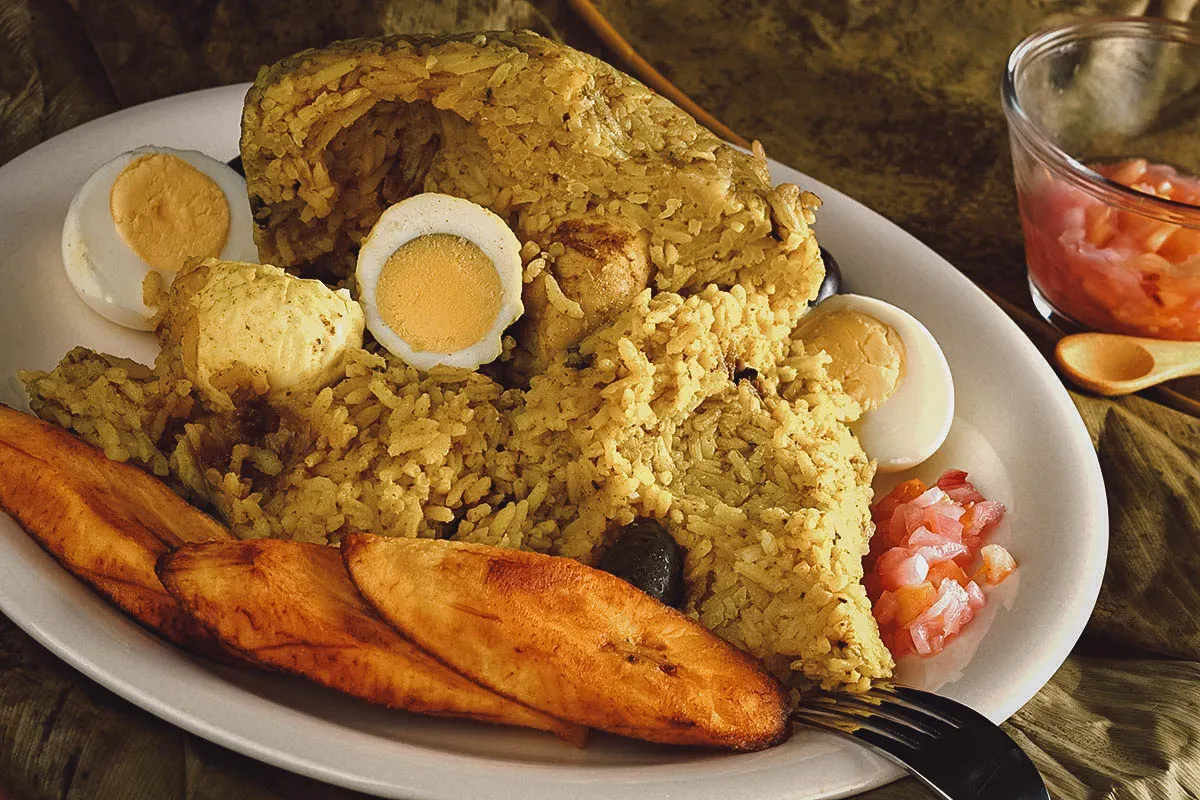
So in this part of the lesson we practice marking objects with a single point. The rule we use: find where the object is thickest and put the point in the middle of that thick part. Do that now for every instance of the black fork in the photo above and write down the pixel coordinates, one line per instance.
(955, 751)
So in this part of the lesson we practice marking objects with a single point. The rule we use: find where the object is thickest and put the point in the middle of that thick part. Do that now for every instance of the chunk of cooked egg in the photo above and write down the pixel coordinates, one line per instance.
(254, 330)
(439, 279)
(147, 212)
(893, 367)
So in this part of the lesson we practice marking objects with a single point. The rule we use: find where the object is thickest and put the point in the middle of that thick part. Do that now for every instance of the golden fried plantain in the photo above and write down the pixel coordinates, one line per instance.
(291, 606)
(575, 642)
(107, 523)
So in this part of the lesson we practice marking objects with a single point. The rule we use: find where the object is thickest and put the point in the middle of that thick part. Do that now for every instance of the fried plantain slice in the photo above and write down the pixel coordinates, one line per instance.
(291, 606)
(106, 522)
(575, 642)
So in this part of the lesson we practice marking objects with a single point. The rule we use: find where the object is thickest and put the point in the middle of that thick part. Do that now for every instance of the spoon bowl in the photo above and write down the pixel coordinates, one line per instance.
(1111, 364)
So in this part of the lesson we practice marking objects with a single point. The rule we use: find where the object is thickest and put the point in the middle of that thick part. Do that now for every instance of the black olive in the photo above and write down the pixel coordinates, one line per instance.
(646, 556)
(236, 165)
(833, 278)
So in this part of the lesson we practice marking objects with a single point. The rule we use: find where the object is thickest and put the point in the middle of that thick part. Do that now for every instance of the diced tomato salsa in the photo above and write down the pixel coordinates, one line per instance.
(928, 559)
(1111, 269)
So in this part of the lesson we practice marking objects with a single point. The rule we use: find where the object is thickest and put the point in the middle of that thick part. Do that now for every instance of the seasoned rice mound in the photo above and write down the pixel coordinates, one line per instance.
(384, 450)
(535, 131)
(119, 405)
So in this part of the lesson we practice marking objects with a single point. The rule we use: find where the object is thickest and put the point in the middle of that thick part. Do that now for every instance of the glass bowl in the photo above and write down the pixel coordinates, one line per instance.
(1104, 123)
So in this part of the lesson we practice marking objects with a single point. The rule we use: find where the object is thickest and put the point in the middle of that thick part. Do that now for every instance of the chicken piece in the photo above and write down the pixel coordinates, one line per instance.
(603, 264)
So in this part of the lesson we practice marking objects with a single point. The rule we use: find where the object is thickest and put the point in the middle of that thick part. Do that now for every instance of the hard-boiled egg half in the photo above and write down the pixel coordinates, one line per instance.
(149, 211)
(891, 364)
(439, 279)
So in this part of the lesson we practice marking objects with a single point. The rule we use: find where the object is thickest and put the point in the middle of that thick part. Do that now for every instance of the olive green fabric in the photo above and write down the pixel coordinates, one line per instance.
(894, 102)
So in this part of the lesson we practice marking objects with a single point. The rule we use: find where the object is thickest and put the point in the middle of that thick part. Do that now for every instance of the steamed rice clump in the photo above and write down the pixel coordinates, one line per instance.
(696, 405)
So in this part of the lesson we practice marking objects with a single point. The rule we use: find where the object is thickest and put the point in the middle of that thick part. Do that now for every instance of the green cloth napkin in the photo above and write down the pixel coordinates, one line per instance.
(895, 103)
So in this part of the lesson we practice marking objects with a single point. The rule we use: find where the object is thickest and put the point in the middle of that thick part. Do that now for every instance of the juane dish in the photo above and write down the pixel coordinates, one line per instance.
(685, 399)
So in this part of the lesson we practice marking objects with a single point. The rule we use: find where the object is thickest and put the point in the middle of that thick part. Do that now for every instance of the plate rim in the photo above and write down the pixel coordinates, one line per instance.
(531, 779)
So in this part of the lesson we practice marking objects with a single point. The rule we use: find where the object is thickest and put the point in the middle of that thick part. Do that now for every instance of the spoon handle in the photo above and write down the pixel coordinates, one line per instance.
(1174, 359)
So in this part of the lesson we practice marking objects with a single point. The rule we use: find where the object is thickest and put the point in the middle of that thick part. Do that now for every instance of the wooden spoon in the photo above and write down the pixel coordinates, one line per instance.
(1110, 364)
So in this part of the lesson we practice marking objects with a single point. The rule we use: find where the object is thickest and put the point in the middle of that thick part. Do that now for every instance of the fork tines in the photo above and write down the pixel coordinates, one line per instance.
(953, 749)
(884, 711)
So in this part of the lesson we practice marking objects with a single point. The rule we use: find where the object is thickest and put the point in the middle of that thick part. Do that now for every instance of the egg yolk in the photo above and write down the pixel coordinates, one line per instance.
(867, 355)
(439, 292)
(167, 211)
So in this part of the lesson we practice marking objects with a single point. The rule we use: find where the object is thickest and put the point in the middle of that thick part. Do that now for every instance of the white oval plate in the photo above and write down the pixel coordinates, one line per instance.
(1016, 431)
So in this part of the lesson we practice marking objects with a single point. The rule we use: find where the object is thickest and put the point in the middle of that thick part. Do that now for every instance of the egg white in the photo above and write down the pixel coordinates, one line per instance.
(105, 271)
(425, 214)
(912, 424)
